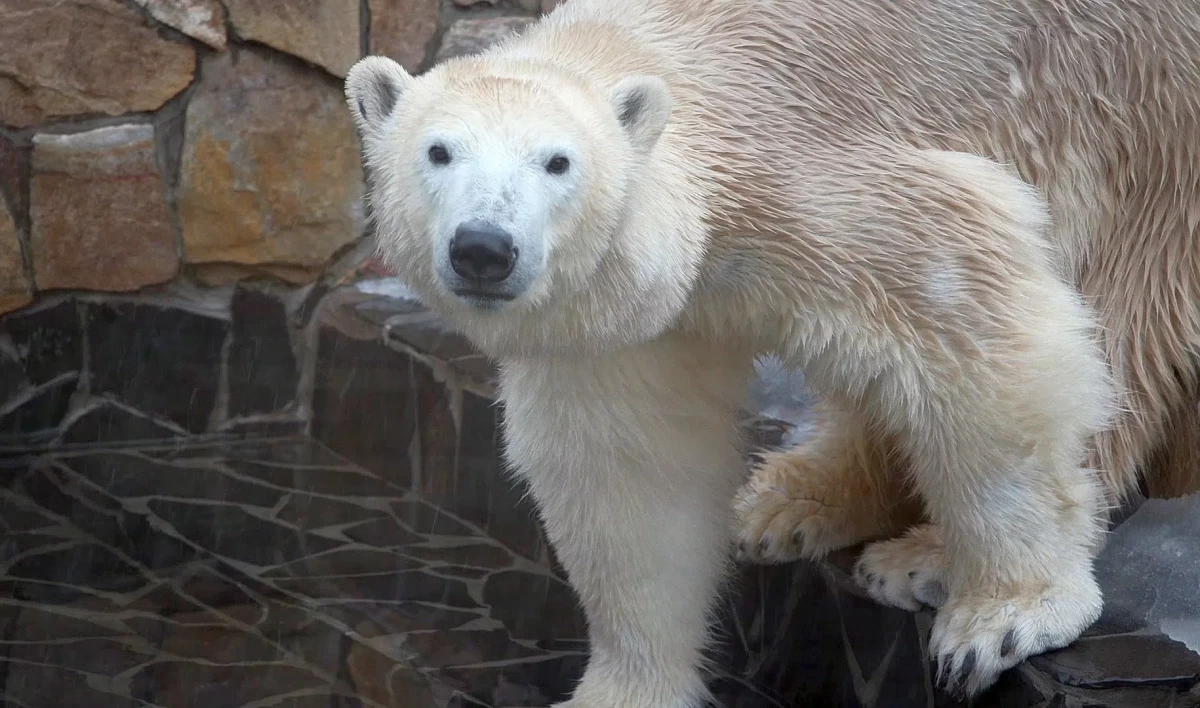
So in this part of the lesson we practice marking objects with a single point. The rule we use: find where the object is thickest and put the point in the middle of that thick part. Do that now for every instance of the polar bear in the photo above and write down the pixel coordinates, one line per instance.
(972, 224)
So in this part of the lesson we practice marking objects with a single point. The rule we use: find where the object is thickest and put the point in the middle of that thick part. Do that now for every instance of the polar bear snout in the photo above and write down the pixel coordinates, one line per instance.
(483, 265)
(482, 253)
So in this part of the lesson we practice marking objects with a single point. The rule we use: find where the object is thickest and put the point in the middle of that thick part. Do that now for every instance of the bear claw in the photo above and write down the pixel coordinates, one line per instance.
(1006, 646)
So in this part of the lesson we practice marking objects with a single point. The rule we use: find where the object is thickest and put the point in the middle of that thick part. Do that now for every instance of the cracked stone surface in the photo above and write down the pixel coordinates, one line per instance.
(235, 572)
(51, 68)
(99, 214)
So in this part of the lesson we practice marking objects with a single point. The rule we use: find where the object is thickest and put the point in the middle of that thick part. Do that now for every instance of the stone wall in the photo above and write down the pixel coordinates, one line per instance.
(150, 141)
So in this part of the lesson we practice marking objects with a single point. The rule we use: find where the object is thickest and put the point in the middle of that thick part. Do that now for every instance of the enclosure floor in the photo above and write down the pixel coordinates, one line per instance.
(265, 573)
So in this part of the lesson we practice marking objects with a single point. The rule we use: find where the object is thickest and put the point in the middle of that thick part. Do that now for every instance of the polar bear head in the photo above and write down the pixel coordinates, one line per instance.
(512, 196)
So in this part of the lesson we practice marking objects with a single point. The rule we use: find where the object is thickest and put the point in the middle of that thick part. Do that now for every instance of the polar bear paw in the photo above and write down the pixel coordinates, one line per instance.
(975, 638)
(979, 632)
(787, 511)
(907, 572)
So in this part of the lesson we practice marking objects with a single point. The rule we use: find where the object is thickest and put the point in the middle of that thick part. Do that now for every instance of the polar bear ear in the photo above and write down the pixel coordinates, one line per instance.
(373, 88)
(642, 104)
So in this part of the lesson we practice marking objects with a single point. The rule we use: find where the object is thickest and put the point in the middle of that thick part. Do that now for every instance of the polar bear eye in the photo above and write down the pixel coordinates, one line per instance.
(438, 155)
(557, 165)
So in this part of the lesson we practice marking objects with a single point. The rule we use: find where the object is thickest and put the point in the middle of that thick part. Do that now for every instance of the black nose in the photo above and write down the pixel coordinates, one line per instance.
(482, 253)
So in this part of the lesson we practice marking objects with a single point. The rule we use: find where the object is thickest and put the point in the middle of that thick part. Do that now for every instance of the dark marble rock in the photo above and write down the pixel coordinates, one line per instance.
(182, 682)
(425, 518)
(164, 361)
(37, 685)
(110, 422)
(12, 373)
(98, 656)
(363, 406)
(380, 680)
(123, 539)
(460, 571)
(345, 563)
(48, 340)
(39, 410)
(455, 463)
(537, 682)
(375, 619)
(315, 512)
(402, 586)
(41, 359)
(284, 455)
(334, 624)
(478, 489)
(783, 633)
(382, 533)
(459, 700)
(1150, 571)
(264, 428)
(437, 432)
(58, 572)
(234, 533)
(129, 474)
(261, 365)
(338, 480)
(420, 329)
(466, 647)
(1124, 661)
(474, 555)
(212, 583)
(534, 606)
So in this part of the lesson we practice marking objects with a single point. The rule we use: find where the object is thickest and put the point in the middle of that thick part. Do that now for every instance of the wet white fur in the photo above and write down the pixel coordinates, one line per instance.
(847, 184)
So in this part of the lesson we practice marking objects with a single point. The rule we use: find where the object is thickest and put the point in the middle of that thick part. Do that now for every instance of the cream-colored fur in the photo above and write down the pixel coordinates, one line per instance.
(972, 223)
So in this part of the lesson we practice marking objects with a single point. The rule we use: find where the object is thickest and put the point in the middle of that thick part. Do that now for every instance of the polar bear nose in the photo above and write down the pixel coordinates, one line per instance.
(482, 253)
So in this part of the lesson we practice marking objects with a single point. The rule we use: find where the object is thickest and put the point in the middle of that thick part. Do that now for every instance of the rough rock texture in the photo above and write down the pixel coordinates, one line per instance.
(164, 362)
(84, 56)
(11, 158)
(14, 286)
(474, 35)
(200, 19)
(403, 29)
(215, 275)
(324, 32)
(1150, 571)
(270, 170)
(98, 211)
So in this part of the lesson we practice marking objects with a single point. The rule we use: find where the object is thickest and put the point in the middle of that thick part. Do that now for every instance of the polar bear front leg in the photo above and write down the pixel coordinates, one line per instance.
(993, 384)
(633, 460)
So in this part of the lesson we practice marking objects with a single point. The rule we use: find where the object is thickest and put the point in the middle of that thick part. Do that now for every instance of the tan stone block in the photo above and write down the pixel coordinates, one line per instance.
(324, 32)
(471, 36)
(200, 19)
(379, 678)
(403, 30)
(219, 274)
(70, 57)
(99, 217)
(271, 172)
(14, 286)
